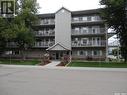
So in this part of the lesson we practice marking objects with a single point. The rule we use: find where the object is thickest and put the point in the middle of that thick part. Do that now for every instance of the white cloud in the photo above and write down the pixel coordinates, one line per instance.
(51, 6)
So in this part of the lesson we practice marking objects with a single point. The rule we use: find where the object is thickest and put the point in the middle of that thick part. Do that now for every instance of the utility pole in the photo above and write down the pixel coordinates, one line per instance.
(106, 31)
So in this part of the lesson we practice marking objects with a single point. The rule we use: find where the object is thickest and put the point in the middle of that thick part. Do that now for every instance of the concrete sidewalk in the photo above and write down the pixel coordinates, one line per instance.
(52, 64)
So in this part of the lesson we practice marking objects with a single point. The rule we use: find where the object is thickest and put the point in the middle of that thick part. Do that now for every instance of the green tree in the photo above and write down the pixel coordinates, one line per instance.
(20, 28)
(6, 33)
(2, 41)
(114, 13)
(24, 39)
(28, 11)
(24, 21)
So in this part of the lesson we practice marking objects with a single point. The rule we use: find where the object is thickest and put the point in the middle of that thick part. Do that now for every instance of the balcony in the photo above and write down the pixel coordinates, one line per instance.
(44, 44)
(88, 44)
(11, 45)
(47, 22)
(86, 19)
(81, 32)
(45, 33)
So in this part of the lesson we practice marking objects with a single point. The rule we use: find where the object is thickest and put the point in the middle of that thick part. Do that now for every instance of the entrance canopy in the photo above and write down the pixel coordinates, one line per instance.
(57, 47)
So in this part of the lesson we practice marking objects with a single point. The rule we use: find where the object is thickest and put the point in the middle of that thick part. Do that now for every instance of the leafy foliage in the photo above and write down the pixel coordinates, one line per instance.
(115, 15)
(19, 28)
(6, 33)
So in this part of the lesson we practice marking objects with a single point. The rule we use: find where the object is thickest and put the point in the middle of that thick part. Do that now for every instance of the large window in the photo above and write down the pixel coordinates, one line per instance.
(97, 53)
(82, 53)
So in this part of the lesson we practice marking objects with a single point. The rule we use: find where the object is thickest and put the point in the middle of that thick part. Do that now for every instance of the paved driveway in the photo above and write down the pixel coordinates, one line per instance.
(16, 80)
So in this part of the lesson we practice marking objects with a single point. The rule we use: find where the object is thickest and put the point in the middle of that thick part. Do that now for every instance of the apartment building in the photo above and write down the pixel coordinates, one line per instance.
(79, 34)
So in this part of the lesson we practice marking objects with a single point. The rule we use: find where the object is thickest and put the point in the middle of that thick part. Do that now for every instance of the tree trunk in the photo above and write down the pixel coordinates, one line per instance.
(23, 54)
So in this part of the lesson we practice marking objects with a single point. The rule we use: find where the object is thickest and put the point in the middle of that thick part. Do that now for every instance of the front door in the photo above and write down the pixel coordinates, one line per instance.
(56, 55)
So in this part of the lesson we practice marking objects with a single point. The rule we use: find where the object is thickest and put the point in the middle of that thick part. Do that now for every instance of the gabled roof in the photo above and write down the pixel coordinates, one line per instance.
(56, 47)
(61, 9)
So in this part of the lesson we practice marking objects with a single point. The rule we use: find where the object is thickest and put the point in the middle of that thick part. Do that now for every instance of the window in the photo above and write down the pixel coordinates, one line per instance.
(85, 30)
(82, 53)
(93, 18)
(76, 19)
(94, 52)
(85, 41)
(97, 52)
(84, 18)
(89, 18)
(96, 41)
(52, 21)
(80, 18)
(39, 32)
(39, 43)
(100, 52)
(95, 29)
(76, 29)
(45, 21)
(41, 21)
(75, 53)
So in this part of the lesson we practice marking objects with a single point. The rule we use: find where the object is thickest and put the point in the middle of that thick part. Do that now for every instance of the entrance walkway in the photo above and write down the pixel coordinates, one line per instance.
(52, 64)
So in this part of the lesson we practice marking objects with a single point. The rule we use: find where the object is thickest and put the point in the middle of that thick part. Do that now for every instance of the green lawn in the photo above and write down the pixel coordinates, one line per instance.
(98, 64)
(19, 62)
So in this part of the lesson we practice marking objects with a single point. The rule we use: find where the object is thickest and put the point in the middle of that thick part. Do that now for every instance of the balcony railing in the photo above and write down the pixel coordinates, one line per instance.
(88, 44)
(47, 22)
(86, 20)
(44, 33)
(81, 32)
(11, 45)
(44, 44)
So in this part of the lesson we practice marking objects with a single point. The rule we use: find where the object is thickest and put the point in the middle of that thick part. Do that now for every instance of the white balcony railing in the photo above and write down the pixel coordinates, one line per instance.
(81, 32)
(87, 19)
(47, 22)
(44, 44)
(88, 44)
(45, 33)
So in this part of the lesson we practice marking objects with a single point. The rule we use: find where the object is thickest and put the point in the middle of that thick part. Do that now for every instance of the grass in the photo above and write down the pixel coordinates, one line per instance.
(19, 62)
(98, 64)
